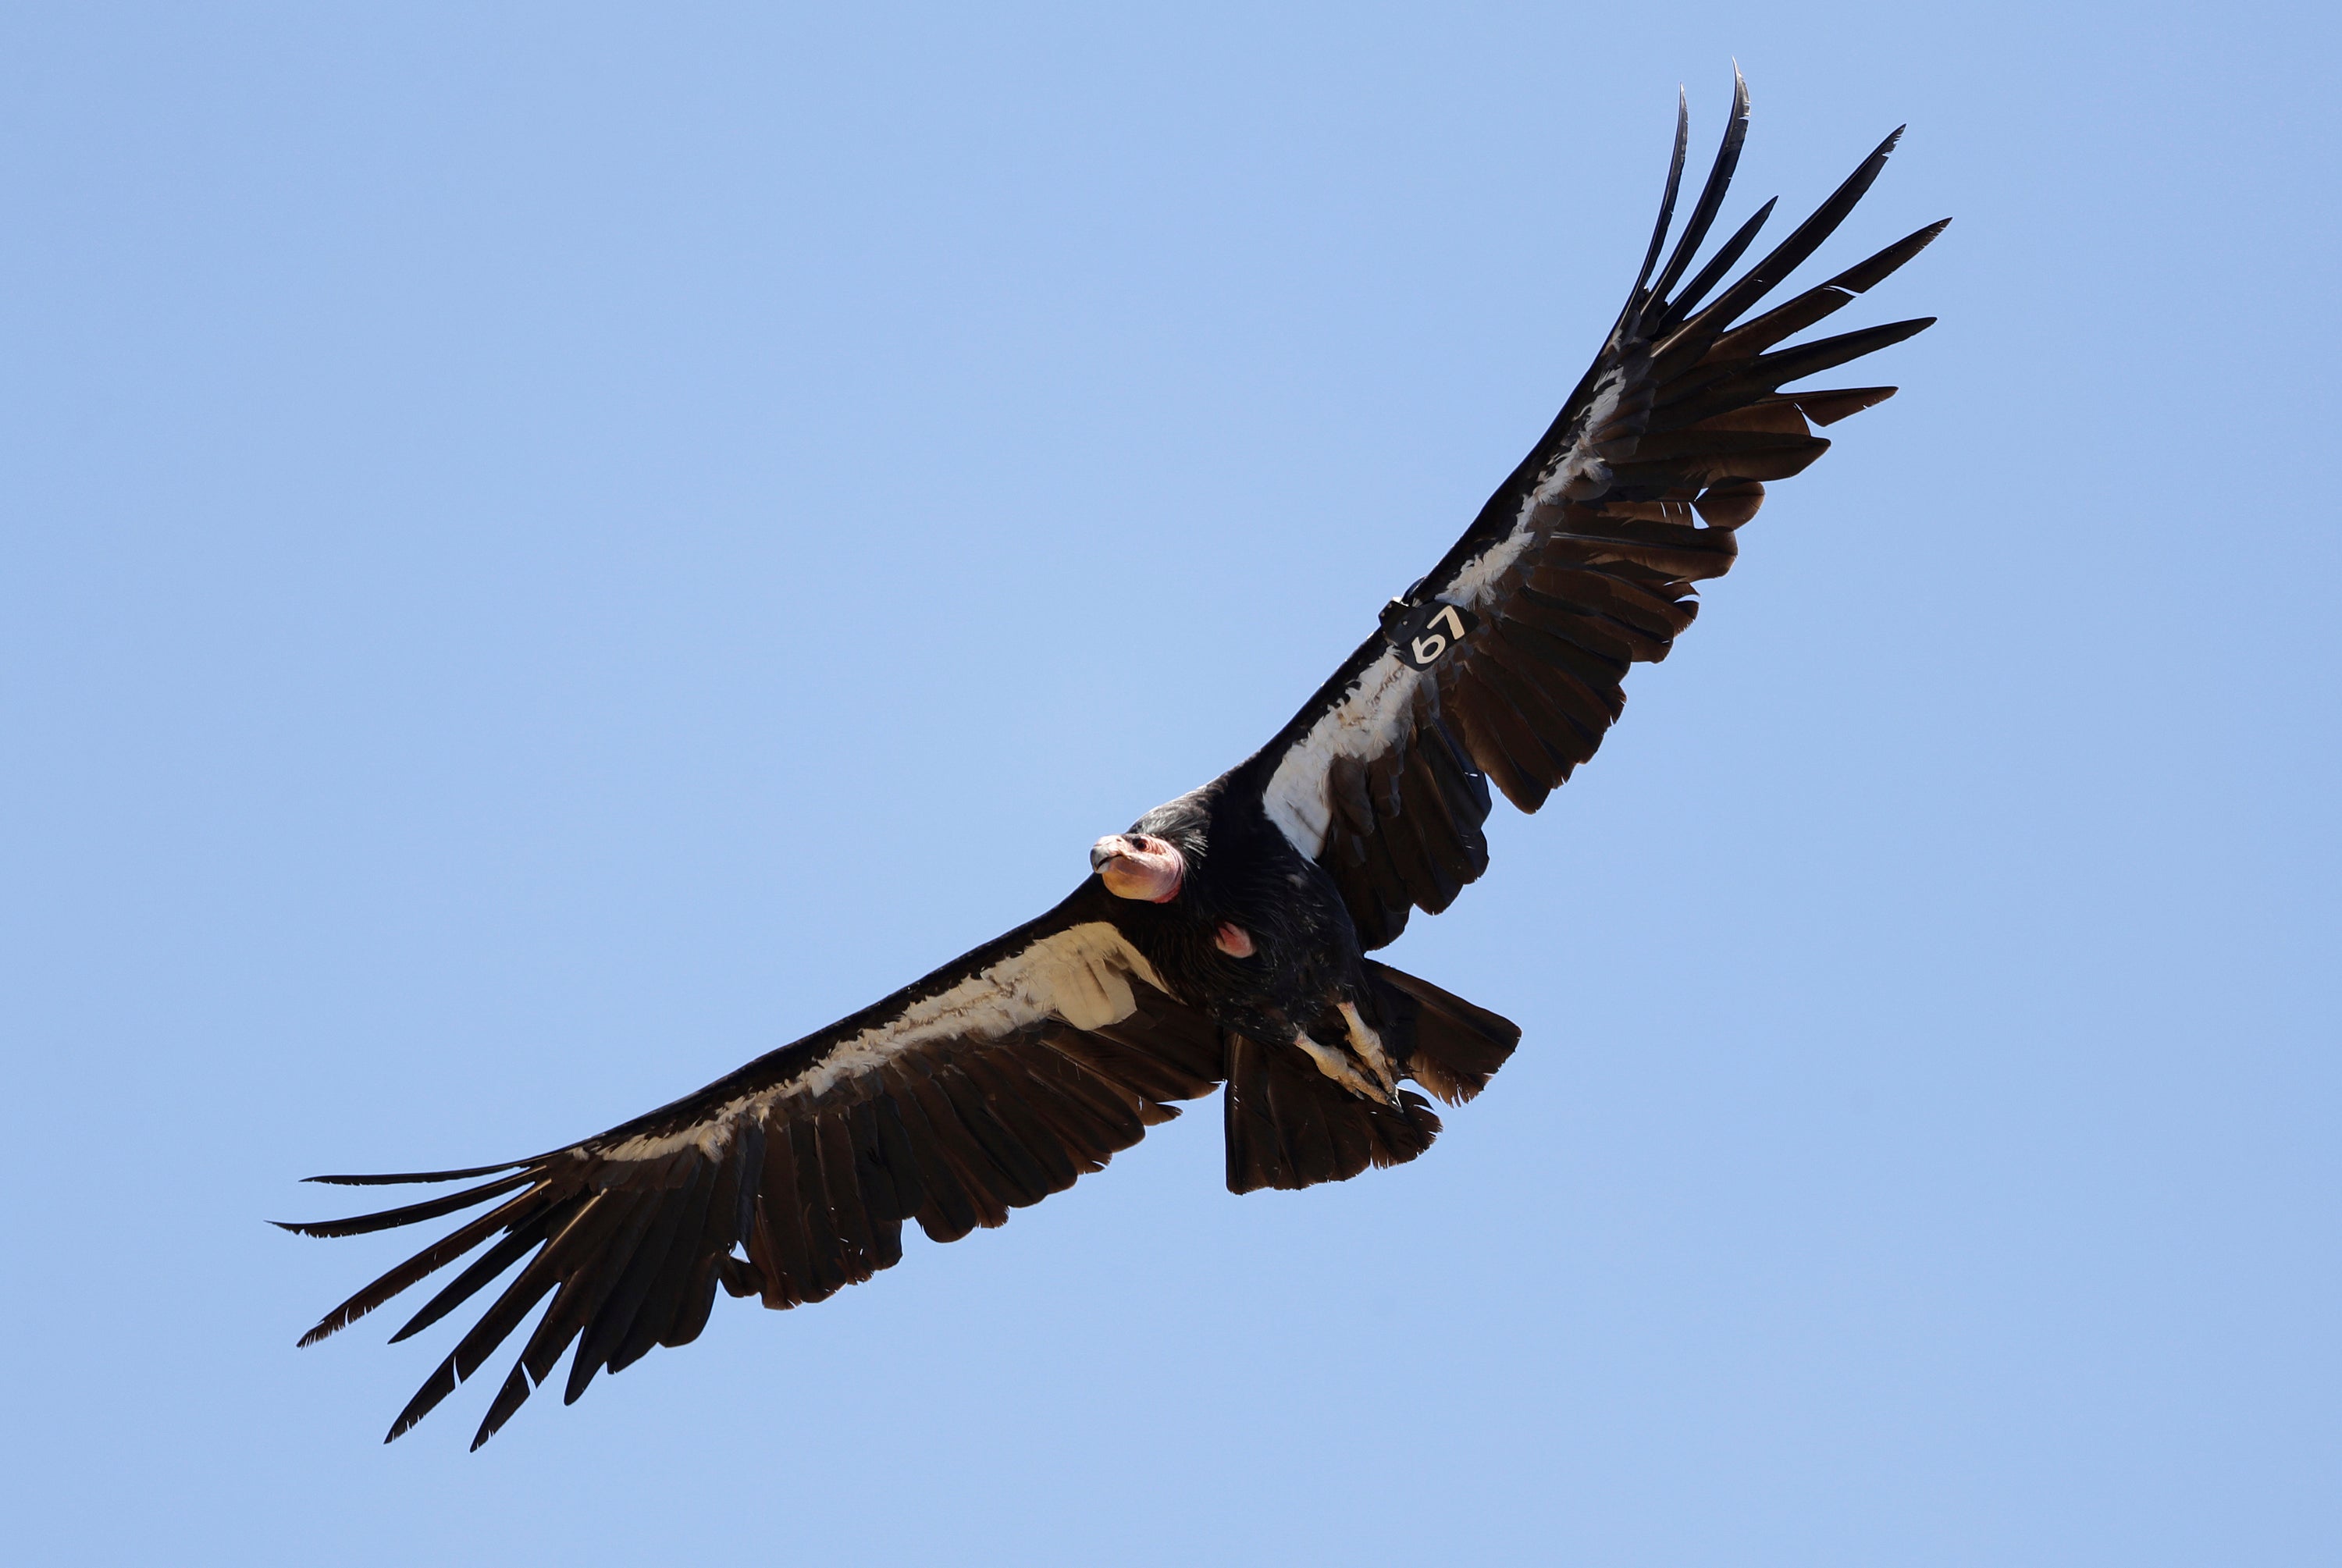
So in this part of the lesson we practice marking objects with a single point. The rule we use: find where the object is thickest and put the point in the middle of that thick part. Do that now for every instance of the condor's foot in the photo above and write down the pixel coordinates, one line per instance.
(1337, 1065)
(1369, 1047)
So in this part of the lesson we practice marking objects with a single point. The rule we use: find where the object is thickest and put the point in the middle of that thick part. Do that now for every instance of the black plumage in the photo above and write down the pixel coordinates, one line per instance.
(1224, 938)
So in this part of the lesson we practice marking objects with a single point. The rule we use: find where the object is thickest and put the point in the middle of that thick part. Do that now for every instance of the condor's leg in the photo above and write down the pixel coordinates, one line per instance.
(1337, 1066)
(1369, 1047)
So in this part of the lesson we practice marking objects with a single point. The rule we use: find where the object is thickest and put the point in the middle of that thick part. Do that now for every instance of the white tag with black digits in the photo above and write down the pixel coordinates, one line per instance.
(1423, 634)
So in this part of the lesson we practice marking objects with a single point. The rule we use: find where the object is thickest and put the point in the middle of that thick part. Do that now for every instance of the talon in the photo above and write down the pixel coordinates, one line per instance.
(1369, 1047)
(1336, 1065)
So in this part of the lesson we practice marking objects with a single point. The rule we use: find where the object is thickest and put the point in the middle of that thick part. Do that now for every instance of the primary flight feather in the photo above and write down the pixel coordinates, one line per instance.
(1222, 939)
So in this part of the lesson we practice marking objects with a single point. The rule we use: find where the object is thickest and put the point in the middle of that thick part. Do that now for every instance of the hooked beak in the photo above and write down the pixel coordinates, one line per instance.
(1135, 865)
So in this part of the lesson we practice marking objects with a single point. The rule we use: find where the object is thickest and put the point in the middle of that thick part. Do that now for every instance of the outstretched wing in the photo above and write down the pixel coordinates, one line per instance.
(995, 1080)
(1504, 663)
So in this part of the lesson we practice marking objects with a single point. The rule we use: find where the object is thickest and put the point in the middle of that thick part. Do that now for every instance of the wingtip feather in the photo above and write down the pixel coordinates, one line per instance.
(437, 1387)
(409, 1213)
(1636, 297)
(1711, 195)
(398, 1178)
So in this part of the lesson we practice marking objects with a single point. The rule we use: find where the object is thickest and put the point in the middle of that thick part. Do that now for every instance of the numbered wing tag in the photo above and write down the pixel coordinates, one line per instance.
(1424, 634)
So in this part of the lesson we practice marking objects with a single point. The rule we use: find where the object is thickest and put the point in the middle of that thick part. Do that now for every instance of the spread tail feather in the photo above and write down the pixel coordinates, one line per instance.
(1289, 1125)
(1445, 1042)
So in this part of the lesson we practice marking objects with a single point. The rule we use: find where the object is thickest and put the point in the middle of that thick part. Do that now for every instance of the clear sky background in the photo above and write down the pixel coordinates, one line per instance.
(549, 550)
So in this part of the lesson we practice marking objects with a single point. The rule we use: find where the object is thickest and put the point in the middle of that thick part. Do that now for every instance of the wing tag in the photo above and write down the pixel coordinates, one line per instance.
(1423, 633)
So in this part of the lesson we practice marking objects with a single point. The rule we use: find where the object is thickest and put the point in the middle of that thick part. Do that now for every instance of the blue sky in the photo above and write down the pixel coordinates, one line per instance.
(550, 550)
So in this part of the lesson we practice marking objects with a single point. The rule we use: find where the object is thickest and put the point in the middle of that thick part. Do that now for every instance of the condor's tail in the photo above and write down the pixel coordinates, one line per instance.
(1289, 1125)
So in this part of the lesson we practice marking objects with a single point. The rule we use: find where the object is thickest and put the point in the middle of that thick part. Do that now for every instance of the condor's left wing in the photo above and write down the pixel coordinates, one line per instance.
(1504, 663)
(993, 1082)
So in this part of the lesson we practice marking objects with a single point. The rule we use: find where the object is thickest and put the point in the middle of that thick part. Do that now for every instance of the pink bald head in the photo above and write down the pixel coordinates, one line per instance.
(1139, 865)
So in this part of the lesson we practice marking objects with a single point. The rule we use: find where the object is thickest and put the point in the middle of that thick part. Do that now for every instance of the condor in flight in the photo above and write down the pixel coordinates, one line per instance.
(1222, 939)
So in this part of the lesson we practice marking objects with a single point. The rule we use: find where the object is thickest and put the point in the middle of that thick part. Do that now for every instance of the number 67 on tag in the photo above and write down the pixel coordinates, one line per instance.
(1424, 634)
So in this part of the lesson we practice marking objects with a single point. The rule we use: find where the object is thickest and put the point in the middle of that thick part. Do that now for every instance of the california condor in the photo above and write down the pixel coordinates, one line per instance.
(1222, 939)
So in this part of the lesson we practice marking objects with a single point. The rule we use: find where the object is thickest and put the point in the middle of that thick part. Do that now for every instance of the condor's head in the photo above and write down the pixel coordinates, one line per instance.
(1139, 865)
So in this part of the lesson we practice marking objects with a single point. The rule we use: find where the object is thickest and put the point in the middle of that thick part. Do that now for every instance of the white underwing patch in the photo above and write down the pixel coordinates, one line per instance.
(1476, 584)
(1365, 723)
(1376, 714)
(1081, 974)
